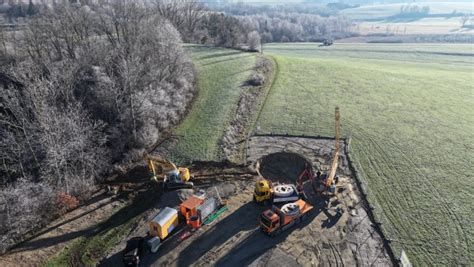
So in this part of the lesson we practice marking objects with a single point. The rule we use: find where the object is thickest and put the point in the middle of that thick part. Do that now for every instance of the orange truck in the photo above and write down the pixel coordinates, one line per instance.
(274, 221)
(198, 207)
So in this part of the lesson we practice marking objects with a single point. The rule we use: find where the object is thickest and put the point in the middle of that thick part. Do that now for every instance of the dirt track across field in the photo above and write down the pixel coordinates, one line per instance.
(325, 238)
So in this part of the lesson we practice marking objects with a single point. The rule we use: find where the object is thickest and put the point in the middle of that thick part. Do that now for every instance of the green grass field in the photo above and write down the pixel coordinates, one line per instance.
(382, 18)
(410, 110)
(386, 10)
(221, 74)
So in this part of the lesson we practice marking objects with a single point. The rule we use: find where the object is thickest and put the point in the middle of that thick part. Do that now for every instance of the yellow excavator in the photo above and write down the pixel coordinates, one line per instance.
(164, 170)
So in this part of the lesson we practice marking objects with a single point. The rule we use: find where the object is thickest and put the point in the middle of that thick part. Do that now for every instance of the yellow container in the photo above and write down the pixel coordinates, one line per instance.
(164, 223)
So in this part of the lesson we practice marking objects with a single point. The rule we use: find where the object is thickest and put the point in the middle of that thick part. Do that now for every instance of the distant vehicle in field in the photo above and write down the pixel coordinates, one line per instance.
(327, 42)
(133, 251)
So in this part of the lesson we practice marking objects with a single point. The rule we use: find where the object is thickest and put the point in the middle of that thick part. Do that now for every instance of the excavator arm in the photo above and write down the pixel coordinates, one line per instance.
(159, 167)
(166, 171)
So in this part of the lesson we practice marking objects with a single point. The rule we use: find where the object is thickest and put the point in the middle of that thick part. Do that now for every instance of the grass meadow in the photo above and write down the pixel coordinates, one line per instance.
(410, 112)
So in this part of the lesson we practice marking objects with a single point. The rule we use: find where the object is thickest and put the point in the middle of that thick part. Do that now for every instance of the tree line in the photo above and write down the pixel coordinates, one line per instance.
(291, 23)
(89, 86)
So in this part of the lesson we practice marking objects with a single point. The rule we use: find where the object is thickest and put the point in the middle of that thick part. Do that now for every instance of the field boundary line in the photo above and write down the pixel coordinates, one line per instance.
(272, 80)
(370, 209)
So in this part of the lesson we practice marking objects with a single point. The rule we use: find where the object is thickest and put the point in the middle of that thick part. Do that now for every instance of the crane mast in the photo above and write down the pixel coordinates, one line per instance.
(332, 172)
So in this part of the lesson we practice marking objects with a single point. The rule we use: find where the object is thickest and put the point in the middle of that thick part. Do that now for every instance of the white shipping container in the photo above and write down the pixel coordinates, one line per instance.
(207, 208)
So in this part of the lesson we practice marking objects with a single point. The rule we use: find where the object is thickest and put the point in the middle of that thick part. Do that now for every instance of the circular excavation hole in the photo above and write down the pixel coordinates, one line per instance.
(282, 166)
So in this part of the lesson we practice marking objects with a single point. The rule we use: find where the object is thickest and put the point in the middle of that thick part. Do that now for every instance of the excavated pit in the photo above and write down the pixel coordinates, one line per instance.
(282, 166)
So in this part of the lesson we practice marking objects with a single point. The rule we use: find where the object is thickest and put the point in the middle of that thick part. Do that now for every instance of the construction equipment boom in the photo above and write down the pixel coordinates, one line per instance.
(335, 159)
(324, 183)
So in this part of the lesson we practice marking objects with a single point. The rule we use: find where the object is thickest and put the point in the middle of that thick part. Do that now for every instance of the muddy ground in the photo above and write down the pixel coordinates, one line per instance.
(324, 239)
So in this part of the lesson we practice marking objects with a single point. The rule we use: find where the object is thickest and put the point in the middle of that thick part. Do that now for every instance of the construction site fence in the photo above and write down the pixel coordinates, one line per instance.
(381, 222)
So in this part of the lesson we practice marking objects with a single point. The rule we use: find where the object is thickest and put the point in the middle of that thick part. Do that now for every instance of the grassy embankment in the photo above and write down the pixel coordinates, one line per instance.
(222, 72)
(410, 109)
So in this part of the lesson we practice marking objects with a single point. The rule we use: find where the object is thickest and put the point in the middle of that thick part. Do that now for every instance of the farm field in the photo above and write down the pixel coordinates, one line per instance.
(221, 74)
(382, 18)
(409, 110)
(387, 10)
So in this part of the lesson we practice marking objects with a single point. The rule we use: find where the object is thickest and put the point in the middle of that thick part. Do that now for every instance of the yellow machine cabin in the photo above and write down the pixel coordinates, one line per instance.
(263, 191)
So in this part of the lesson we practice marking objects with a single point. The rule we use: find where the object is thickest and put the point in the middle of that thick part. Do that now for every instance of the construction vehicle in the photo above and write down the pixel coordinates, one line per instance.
(166, 171)
(325, 183)
(133, 252)
(199, 209)
(327, 42)
(274, 221)
(266, 191)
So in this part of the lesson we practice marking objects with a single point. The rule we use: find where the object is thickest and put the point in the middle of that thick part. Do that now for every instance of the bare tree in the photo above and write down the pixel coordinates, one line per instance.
(185, 15)
(253, 40)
